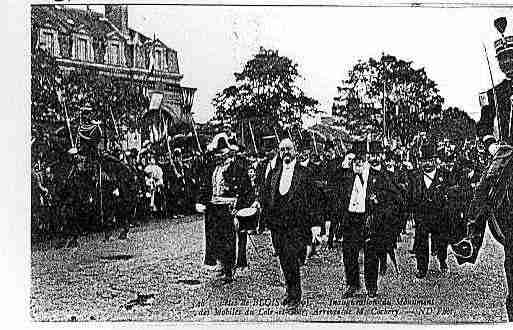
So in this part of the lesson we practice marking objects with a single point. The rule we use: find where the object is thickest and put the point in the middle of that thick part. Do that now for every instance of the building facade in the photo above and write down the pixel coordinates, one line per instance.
(86, 39)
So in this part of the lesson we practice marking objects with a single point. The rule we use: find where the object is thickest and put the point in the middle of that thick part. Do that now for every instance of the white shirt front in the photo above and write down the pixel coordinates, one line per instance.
(218, 185)
(286, 177)
(156, 173)
(429, 177)
(359, 193)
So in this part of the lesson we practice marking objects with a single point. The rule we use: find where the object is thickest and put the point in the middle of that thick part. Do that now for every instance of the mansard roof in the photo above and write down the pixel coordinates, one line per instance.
(69, 20)
(73, 20)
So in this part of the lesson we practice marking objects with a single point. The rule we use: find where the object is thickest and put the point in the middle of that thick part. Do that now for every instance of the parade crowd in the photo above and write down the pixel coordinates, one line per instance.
(363, 199)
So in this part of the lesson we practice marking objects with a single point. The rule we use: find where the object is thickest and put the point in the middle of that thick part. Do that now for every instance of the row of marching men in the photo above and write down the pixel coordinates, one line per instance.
(367, 200)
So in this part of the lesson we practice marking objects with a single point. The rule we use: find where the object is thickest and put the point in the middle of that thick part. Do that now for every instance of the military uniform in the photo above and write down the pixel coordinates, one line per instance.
(504, 93)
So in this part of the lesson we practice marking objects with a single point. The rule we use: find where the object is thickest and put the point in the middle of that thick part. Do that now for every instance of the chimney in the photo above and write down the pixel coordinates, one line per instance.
(118, 15)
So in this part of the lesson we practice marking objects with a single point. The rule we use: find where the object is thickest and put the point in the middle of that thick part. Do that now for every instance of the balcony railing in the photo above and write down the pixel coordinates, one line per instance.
(127, 72)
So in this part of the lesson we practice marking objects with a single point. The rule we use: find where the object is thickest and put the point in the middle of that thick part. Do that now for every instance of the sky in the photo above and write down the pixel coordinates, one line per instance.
(214, 42)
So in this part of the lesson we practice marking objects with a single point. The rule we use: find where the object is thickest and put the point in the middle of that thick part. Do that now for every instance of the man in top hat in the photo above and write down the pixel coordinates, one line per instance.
(389, 209)
(399, 176)
(286, 200)
(333, 171)
(427, 198)
(363, 200)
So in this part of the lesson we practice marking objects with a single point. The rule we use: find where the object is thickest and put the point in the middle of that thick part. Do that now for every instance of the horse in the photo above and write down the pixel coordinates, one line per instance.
(493, 204)
(94, 189)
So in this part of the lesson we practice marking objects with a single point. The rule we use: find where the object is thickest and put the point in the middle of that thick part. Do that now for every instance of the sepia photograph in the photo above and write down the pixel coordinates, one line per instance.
(275, 162)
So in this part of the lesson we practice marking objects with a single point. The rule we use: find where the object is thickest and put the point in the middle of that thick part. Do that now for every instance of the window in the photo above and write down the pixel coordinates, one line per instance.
(46, 41)
(158, 60)
(81, 49)
(114, 54)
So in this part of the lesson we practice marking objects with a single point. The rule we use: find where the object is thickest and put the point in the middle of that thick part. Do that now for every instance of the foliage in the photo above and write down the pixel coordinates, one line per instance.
(80, 95)
(266, 89)
(454, 125)
(411, 99)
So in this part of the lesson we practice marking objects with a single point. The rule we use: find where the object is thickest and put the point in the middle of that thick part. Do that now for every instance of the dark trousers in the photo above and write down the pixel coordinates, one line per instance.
(219, 237)
(382, 260)
(242, 242)
(439, 243)
(291, 251)
(334, 230)
(353, 241)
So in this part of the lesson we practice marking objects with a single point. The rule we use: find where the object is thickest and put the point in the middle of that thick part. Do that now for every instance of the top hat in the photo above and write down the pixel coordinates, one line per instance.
(428, 151)
(329, 145)
(375, 147)
(359, 148)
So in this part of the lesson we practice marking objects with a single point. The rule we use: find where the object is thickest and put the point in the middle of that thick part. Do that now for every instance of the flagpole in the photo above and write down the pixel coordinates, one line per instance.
(496, 108)
(315, 142)
(276, 135)
(252, 136)
(63, 103)
(196, 135)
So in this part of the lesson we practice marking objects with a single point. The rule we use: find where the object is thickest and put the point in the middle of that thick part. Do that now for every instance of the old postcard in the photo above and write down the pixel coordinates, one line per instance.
(306, 162)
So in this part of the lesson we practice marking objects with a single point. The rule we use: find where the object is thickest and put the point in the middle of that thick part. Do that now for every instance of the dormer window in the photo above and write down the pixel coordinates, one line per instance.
(48, 41)
(115, 50)
(82, 48)
(158, 59)
(114, 53)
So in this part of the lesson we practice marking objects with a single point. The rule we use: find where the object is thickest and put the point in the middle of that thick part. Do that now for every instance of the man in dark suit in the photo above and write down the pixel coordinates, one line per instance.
(427, 198)
(364, 201)
(332, 173)
(388, 211)
(286, 199)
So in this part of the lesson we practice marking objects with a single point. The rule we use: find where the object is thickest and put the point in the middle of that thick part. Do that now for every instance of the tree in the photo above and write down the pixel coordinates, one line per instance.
(411, 100)
(266, 89)
(83, 95)
(454, 125)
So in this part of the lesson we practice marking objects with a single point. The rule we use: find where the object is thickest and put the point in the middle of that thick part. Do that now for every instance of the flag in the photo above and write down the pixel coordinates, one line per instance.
(483, 99)
(167, 112)
(178, 116)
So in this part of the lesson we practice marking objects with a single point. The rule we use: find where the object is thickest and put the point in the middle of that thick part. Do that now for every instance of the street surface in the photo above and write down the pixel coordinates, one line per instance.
(157, 275)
